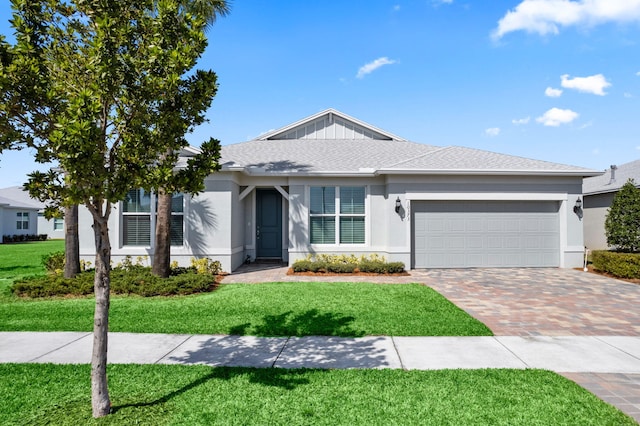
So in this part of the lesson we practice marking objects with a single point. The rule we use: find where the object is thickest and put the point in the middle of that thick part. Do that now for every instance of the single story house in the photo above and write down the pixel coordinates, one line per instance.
(17, 218)
(331, 183)
(598, 196)
(53, 228)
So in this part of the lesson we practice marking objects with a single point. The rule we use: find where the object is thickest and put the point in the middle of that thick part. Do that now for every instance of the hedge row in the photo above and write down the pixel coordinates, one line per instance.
(23, 238)
(623, 265)
(369, 266)
(135, 280)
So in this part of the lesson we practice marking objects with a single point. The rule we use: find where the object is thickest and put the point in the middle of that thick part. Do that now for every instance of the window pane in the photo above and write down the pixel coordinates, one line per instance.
(323, 200)
(58, 224)
(137, 230)
(177, 230)
(323, 230)
(352, 199)
(351, 230)
(177, 203)
(137, 201)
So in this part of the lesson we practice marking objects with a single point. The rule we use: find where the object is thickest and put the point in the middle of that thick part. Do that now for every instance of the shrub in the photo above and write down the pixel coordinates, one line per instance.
(623, 265)
(138, 280)
(206, 266)
(347, 264)
(341, 268)
(372, 266)
(53, 262)
(622, 224)
(395, 267)
(302, 265)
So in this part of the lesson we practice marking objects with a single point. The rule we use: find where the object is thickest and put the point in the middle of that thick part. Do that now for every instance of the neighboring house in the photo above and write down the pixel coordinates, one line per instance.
(333, 184)
(53, 228)
(17, 218)
(598, 196)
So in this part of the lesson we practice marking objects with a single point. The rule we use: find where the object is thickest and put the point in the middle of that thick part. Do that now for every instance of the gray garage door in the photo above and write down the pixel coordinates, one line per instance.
(465, 234)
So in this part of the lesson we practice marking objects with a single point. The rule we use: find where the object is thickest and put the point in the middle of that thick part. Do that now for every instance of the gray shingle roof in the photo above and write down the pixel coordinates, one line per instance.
(15, 196)
(316, 153)
(350, 156)
(321, 155)
(469, 159)
(603, 183)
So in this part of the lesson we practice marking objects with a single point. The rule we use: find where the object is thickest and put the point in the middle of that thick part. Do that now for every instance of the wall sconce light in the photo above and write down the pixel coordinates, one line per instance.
(398, 205)
(577, 209)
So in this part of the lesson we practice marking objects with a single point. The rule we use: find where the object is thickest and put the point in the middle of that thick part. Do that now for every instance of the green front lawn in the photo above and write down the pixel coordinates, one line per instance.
(24, 259)
(199, 395)
(272, 309)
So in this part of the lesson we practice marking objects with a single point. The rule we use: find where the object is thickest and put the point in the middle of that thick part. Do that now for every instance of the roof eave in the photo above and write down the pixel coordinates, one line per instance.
(502, 172)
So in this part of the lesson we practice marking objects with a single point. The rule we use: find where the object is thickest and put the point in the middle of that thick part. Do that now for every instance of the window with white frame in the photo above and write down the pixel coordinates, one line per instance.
(138, 222)
(337, 214)
(22, 221)
(58, 224)
(136, 218)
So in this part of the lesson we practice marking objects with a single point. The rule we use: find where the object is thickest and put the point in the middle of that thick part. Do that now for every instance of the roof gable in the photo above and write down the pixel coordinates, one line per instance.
(329, 125)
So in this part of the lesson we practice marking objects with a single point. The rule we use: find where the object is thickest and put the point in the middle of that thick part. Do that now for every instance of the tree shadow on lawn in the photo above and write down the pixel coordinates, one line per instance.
(308, 323)
(315, 347)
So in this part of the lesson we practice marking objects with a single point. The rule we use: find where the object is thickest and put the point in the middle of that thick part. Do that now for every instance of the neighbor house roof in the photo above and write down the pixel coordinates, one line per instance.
(7, 202)
(612, 183)
(332, 143)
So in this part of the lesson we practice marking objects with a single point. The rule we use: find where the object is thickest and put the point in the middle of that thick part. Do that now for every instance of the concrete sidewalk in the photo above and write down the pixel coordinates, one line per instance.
(568, 354)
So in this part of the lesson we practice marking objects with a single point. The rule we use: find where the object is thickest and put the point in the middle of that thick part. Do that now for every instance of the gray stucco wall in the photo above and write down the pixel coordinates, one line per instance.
(220, 226)
(9, 220)
(596, 208)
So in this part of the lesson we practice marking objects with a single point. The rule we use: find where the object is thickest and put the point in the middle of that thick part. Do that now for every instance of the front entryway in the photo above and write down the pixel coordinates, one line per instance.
(268, 224)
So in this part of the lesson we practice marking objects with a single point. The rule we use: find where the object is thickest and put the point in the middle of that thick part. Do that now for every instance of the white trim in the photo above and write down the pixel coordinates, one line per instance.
(282, 192)
(246, 192)
(486, 196)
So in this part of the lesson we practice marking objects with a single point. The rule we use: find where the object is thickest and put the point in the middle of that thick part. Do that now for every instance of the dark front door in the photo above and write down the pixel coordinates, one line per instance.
(268, 223)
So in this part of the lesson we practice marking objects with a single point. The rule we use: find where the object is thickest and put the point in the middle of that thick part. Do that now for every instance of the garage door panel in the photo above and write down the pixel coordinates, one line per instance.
(485, 234)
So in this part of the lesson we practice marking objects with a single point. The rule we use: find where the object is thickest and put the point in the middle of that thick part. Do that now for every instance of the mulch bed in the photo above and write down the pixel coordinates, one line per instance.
(353, 274)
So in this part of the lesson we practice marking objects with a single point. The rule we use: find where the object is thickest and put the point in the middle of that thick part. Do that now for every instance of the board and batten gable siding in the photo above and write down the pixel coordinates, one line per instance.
(328, 128)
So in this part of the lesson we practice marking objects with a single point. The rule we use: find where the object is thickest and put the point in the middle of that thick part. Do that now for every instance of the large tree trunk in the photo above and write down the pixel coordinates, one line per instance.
(71, 242)
(100, 403)
(162, 252)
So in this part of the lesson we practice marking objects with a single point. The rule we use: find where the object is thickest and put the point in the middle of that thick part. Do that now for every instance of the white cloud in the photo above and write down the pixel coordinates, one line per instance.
(628, 95)
(519, 121)
(556, 116)
(638, 73)
(396, 7)
(595, 151)
(492, 131)
(553, 93)
(594, 84)
(439, 2)
(638, 147)
(547, 16)
(374, 65)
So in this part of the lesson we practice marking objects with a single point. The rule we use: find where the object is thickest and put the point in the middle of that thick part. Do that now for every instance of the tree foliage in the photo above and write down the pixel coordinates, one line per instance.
(85, 86)
(622, 225)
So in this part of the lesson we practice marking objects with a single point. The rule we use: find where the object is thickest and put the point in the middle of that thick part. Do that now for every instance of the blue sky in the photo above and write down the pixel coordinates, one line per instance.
(555, 80)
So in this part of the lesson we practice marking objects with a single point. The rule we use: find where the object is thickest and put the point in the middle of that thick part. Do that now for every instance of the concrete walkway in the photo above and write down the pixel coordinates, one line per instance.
(570, 354)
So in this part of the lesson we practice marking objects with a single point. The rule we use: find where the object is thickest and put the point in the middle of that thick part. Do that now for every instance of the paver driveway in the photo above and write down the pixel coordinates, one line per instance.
(541, 302)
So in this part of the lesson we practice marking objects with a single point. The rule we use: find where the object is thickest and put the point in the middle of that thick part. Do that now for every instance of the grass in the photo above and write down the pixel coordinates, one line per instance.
(272, 309)
(198, 395)
(24, 259)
